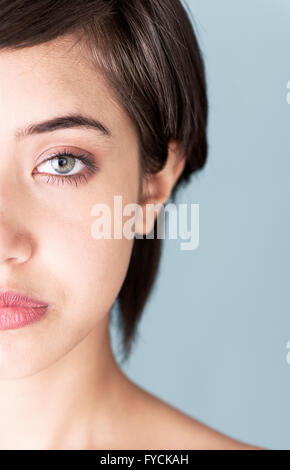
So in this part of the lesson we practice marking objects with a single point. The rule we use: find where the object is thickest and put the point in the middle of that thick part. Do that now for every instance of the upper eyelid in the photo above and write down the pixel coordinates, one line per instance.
(51, 153)
(59, 155)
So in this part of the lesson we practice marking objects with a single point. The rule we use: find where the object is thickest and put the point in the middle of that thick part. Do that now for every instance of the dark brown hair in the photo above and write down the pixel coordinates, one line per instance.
(148, 52)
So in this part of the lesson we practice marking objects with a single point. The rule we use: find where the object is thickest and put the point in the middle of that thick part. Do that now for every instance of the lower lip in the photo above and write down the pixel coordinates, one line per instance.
(16, 317)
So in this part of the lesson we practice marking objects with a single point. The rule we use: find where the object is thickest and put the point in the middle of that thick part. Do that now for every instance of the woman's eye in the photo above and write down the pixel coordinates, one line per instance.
(66, 167)
(61, 165)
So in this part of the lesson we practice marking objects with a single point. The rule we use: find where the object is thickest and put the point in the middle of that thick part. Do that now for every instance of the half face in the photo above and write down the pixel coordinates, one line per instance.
(47, 249)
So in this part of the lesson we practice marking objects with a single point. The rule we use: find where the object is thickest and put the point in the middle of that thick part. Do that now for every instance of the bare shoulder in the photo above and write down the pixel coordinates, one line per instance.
(164, 426)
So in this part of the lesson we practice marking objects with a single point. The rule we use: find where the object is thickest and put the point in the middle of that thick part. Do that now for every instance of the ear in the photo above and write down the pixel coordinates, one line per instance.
(156, 188)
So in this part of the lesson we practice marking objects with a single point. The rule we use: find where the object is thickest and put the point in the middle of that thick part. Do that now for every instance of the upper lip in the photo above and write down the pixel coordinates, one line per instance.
(12, 298)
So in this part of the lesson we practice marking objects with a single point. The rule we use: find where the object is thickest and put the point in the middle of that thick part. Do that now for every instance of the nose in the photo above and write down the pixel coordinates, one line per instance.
(15, 237)
(15, 246)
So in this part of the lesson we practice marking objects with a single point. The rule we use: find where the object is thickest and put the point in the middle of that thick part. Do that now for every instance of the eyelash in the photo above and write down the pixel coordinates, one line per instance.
(77, 177)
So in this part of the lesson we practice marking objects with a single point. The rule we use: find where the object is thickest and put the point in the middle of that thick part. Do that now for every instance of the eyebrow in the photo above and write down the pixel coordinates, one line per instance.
(62, 122)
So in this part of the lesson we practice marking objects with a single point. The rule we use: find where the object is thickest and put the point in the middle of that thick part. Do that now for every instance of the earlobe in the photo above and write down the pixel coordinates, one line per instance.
(157, 187)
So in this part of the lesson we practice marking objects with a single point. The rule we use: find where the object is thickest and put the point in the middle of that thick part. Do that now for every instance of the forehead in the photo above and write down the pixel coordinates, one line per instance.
(54, 78)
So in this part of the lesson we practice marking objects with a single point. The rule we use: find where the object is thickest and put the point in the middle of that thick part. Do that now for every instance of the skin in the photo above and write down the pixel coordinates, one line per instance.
(60, 385)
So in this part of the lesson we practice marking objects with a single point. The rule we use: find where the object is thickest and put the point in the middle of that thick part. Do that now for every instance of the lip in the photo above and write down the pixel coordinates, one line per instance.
(17, 310)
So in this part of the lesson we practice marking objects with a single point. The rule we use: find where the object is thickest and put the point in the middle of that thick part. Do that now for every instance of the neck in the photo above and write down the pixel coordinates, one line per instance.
(57, 407)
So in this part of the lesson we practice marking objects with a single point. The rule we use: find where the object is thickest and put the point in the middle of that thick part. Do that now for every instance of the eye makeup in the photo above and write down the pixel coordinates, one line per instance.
(67, 160)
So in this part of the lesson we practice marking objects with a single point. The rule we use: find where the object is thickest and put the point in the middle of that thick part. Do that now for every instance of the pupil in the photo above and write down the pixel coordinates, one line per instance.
(62, 161)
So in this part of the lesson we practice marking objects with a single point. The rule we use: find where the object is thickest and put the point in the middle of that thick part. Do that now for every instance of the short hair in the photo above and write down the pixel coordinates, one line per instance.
(149, 54)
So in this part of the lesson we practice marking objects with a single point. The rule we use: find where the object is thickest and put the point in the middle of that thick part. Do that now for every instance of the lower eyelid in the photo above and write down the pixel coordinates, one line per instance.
(61, 180)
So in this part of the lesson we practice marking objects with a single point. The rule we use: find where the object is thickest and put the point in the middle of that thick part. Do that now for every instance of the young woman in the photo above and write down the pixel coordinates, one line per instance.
(98, 98)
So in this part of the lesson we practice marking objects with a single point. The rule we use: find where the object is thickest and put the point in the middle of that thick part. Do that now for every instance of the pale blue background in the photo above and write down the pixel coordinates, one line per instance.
(213, 335)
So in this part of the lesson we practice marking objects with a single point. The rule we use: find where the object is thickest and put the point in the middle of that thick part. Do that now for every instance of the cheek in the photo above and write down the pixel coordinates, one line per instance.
(99, 270)
(88, 273)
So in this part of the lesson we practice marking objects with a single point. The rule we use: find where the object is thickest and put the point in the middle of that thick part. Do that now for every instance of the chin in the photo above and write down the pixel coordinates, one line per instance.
(16, 363)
